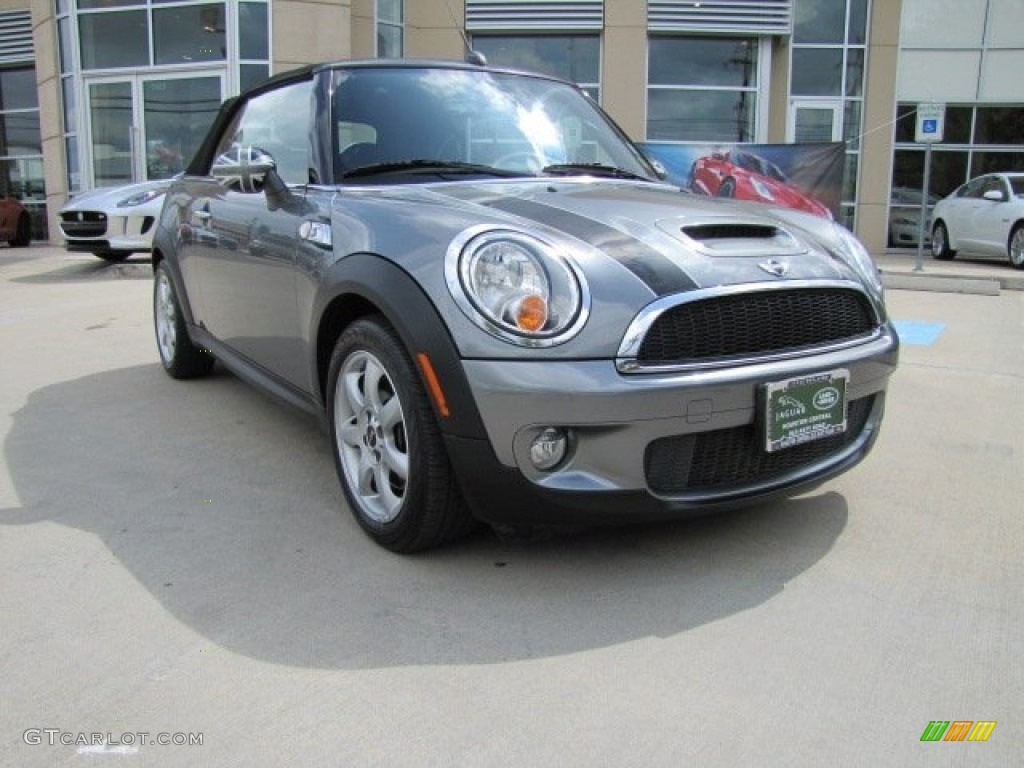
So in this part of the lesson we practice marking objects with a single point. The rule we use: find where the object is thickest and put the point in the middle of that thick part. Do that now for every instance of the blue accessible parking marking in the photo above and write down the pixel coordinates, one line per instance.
(918, 332)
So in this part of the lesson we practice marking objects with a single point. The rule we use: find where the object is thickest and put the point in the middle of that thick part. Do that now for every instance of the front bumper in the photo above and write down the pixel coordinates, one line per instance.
(97, 232)
(656, 445)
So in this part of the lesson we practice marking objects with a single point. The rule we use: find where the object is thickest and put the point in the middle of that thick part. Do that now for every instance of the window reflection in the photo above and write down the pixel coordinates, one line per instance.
(576, 58)
(108, 40)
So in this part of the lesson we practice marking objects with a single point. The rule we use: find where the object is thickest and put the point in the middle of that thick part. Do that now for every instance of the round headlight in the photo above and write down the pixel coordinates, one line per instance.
(518, 287)
(857, 256)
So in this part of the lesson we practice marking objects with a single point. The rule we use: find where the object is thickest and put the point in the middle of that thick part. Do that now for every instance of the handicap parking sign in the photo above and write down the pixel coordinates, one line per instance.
(930, 119)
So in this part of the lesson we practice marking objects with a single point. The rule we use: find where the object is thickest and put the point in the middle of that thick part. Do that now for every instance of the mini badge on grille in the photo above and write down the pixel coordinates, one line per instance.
(775, 267)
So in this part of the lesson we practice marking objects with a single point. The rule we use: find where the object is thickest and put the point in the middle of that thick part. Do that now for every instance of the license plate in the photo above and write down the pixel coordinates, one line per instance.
(804, 408)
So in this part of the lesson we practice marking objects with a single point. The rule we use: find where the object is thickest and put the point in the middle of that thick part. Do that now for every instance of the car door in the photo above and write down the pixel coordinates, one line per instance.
(991, 221)
(962, 216)
(245, 243)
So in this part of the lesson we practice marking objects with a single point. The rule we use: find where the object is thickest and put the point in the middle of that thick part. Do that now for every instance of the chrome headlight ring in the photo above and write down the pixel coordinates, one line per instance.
(853, 252)
(517, 286)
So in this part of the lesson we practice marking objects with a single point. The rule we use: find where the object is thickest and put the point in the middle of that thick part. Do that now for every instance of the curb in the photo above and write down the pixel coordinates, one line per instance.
(970, 285)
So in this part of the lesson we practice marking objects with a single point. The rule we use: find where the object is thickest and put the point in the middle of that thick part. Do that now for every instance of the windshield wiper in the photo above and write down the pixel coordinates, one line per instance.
(440, 167)
(595, 169)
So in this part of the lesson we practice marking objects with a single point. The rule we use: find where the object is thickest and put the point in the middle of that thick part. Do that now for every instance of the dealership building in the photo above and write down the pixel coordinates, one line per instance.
(105, 92)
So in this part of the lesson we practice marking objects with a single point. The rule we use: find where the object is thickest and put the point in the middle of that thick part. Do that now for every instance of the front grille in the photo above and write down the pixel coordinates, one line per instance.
(83, 223)
(733, 458)
(753, 324)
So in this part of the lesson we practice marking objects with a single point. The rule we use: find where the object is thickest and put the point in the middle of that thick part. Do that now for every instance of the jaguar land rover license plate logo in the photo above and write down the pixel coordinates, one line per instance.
(826, 399)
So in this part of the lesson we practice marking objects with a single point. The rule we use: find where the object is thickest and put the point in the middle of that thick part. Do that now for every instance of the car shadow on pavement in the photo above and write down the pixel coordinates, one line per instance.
(225, 507)
(137, 267)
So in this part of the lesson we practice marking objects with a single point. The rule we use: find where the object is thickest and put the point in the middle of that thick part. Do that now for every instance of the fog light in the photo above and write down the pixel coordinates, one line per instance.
(548, 448)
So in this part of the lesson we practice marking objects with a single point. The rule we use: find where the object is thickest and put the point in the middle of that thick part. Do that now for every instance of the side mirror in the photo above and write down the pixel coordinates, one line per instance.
(244, 168)
(995, 195)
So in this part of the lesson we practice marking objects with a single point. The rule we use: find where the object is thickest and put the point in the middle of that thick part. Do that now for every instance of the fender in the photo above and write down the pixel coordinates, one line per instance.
(364, 279)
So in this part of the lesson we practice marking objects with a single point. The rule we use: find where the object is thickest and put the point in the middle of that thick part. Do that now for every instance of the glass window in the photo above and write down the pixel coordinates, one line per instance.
(177, 113)
(850, 176)
(189, 33)
(390, 28)
(19, 133)
(514, 123)
(819, 21)
(726, 62)
(252, 74)
(87, 5)
(698, 115)
(70, 104)
(996, 162)
(817, 71)
(957, 127)
(949, 171)
(702, 89)
(67, 61)
(114, 39)
(999, 125)
(851, 125)
(576, 58)
(390, 10)
(857, 33)
(18, 88)
(252, 31)
(389, 41)
(855, 72)
(276, 122)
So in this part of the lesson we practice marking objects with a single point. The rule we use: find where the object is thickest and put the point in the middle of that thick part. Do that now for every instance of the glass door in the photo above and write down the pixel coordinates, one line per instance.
(112, 123)
(812, 122)
(146, 127)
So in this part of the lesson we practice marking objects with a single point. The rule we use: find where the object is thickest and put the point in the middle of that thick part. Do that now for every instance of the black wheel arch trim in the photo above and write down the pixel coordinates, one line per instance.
(179, 284)
(375, 283)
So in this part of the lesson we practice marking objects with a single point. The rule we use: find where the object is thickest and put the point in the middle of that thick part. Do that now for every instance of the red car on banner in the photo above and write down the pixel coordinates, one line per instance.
(746, 176)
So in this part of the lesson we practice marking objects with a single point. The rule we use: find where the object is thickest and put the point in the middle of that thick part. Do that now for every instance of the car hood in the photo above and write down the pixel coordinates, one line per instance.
(670, 240)
(108, 197)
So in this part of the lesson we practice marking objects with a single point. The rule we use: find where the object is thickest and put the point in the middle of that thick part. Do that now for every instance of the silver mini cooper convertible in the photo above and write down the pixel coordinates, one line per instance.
(500, 311)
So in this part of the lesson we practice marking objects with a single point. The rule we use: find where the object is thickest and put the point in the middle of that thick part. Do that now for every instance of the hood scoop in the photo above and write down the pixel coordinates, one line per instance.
(734, 238)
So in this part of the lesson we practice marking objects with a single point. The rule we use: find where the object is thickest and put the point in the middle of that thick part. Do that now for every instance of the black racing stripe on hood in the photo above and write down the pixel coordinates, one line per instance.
(653, 268)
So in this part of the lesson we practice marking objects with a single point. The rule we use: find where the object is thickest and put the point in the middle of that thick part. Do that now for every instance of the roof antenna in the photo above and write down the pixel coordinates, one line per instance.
(472, 57)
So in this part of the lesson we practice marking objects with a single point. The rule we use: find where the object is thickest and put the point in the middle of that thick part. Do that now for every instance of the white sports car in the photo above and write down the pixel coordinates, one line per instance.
(114, 222)
(984, 216)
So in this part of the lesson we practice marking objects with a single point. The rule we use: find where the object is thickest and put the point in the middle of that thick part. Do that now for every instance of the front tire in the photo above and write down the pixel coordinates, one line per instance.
(388, 450)
(940, 243)
(180, 357)
(728, 188)
(1015, 249)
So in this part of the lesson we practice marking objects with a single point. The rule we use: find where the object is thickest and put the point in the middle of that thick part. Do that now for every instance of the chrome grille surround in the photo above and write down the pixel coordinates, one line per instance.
(629, 358)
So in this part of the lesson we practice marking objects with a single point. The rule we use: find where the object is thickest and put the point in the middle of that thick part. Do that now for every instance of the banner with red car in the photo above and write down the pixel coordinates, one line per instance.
(807, 177)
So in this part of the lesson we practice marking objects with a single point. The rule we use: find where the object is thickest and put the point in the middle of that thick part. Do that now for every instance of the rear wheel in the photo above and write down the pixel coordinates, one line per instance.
(728, 188)
(388, 450)
(23, 234)
(940, 243)
(1016, 246)
(180, 357)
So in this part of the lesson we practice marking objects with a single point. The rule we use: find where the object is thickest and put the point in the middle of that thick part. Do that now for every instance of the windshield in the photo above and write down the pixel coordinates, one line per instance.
(1017, 185)
(516, 124)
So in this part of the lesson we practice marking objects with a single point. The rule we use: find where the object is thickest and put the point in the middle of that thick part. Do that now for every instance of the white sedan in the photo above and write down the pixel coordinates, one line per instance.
(115, 222)
(984, 216)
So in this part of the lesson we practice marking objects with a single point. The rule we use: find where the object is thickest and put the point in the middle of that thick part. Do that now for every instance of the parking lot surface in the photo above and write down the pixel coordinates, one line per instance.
(178, 566)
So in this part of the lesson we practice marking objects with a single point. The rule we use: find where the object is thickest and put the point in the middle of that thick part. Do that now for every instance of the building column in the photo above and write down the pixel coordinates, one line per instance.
(879, 114)
(624, 65)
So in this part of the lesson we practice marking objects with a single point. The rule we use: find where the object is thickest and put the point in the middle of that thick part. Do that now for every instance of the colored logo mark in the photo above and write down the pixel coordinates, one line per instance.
(958, 730)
